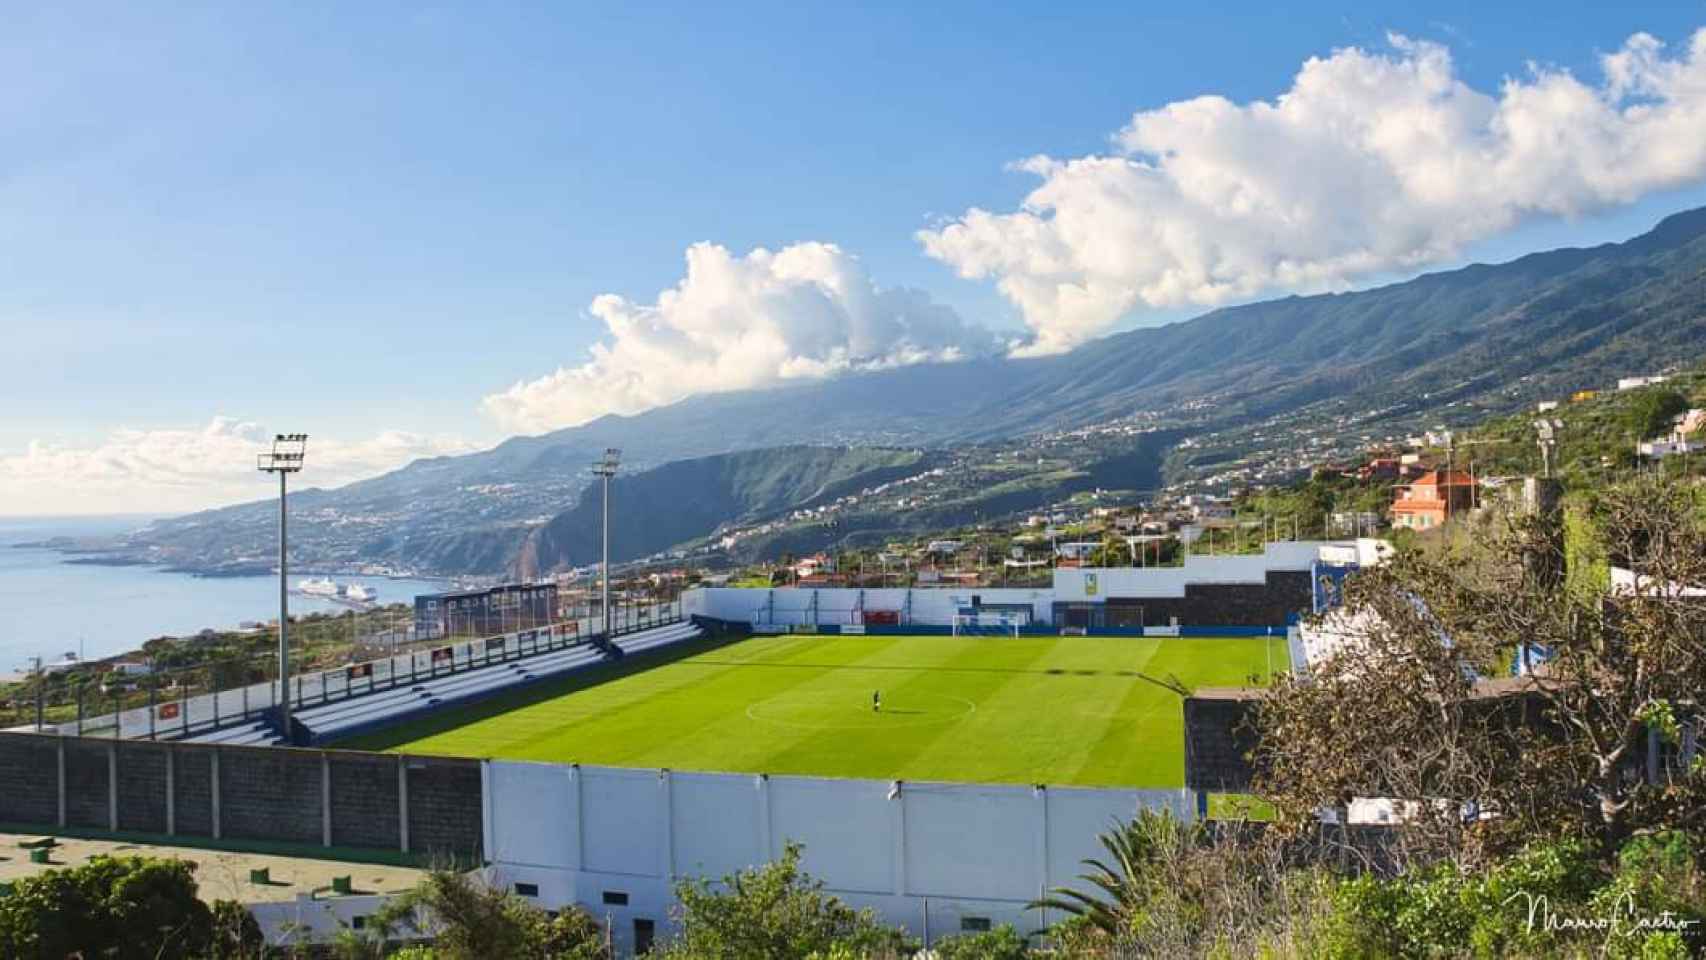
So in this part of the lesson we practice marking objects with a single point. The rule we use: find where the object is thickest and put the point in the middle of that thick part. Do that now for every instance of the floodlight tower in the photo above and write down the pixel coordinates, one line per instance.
(1547, 436)
(606, 468)
(288, 452)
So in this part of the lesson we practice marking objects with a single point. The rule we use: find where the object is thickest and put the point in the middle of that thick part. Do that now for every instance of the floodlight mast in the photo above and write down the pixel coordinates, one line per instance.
(1547, 436)
(606, 468)
(289, 450)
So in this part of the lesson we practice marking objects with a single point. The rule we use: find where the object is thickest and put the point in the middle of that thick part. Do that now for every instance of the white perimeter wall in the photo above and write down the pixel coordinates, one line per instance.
(952, 850)
(936, 605)
(835, 605)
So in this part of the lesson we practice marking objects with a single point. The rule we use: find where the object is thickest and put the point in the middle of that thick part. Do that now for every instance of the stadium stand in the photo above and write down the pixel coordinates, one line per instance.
(321, 723)
(257, 733)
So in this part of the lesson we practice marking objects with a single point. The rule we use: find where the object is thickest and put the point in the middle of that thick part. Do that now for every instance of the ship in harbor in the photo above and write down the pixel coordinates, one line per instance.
(325, 588)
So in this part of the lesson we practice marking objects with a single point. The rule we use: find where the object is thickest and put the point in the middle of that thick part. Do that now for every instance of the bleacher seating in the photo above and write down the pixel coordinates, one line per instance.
(657, 637)
(324, 722)
(252, 734)
(343, 718)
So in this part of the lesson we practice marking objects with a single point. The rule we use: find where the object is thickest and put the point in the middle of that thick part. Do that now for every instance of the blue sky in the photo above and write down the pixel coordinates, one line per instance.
(361, 218)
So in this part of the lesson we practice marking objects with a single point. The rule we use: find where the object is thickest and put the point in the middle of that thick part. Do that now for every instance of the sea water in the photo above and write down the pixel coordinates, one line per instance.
(49, 607)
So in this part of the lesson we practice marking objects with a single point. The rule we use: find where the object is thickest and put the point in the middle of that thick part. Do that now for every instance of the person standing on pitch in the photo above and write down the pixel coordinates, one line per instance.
(876, 701)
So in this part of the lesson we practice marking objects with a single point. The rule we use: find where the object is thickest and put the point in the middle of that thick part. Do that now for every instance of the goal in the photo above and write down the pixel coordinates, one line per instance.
(987, 624)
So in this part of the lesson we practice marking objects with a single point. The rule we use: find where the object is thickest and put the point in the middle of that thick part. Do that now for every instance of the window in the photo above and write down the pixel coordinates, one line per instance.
(527, 889)
(615, 898)
(974, 924)
(358, 922)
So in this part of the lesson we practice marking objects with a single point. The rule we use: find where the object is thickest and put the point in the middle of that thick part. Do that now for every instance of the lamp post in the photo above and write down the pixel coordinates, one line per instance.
(606, 468)
(288, 452)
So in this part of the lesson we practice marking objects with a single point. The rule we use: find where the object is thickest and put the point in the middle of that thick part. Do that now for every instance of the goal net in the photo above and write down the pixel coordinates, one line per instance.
(987, 624)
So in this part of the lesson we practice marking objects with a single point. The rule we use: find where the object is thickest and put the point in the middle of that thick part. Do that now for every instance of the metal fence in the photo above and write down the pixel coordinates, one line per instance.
(230, 692)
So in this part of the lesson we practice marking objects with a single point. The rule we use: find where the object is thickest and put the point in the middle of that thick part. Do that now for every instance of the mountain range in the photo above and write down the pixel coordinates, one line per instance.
(1231, 386)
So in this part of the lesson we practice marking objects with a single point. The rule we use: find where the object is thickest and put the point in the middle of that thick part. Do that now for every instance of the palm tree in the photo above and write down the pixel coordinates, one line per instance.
(1124, 878)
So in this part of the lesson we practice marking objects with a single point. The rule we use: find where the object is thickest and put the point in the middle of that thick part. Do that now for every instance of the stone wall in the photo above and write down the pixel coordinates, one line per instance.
(1219, 735)
(1286, 592)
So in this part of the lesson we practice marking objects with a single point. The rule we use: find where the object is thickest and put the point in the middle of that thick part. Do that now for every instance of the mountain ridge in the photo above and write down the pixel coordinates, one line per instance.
(1481, 333)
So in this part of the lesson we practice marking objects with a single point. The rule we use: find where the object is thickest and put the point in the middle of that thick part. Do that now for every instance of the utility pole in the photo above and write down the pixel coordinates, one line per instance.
(606, 468)
(288, 452)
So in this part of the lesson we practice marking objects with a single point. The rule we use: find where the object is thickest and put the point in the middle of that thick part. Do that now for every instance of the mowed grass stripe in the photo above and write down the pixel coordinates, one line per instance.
(712, 720)
(1063, 710)
(832, 680)
(1050, 726)
(619, 721)
(939, 699)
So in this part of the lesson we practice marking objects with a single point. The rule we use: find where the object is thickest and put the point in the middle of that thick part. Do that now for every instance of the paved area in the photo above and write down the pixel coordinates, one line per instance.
(220, 874)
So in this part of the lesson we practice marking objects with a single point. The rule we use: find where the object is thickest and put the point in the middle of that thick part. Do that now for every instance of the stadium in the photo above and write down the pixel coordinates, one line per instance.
(944, 756)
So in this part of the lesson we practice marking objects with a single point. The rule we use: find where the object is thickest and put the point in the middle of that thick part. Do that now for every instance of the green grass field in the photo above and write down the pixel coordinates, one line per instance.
(1062, 710)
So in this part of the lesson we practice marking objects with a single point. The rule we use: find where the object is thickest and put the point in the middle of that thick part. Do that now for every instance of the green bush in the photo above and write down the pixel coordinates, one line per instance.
(1002, 943)
(776, 912)
(125, 908)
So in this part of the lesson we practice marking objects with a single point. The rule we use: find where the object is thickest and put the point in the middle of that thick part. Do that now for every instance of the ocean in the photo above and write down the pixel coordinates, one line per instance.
(49, 608)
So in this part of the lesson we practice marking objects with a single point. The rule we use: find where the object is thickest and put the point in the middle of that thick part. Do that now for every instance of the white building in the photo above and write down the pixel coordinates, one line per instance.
(1633, 383)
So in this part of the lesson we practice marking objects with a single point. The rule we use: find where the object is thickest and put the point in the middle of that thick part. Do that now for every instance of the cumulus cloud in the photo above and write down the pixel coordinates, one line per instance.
(1371, 162)
(188, 469)
(809, 310)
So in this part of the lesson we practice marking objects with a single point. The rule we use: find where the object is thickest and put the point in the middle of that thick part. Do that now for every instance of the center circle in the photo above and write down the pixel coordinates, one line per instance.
(851, 710)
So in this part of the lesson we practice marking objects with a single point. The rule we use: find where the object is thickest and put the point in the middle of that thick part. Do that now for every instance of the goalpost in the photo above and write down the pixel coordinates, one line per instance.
(987, 624)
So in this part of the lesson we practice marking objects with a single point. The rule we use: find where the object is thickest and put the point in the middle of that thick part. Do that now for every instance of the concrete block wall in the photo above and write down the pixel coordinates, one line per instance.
(270, 794)
(446, 816)
(29, 780)
(87, 801)
(367, 801)
(142, 794)
(192, 792)
(366, 813)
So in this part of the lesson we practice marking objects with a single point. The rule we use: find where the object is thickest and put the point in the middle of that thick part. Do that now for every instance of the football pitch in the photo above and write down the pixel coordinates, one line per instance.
(1093, 711)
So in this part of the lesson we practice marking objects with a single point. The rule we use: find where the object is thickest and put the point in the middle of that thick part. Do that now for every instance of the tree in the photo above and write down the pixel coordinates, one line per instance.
(776, 912)
(126, 908)
(1650, 412)
(469, 919)
(1401, 711)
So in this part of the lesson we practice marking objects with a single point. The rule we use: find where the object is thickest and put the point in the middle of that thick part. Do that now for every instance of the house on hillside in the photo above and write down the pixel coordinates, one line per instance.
(814, 565)
(1379, 468)
(1431, 499)
(1076, 553)
(1633, 383)
(1683, 426)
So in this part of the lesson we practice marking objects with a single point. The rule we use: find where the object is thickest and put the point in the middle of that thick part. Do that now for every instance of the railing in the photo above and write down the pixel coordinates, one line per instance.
(180, 712)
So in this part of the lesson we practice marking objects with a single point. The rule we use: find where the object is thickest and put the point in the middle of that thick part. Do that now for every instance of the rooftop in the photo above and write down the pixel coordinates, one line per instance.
(220, 874)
